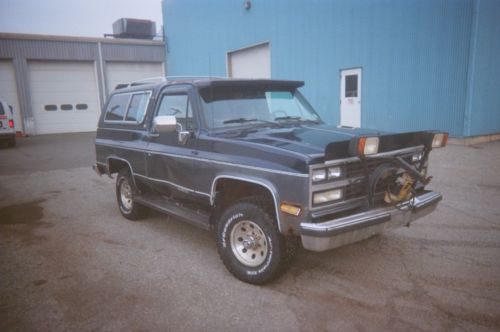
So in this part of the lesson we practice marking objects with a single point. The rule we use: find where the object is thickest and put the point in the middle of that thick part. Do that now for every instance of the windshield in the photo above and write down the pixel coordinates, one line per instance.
(225, 107)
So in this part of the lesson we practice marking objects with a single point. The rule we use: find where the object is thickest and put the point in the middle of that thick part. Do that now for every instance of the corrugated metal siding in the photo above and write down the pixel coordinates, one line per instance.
(414, 53)
(79, 51)
(137, 53)
(48, 50)
(484, 106)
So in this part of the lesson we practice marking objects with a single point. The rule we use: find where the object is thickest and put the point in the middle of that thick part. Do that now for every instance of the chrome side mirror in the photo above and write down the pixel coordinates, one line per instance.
(165, 124)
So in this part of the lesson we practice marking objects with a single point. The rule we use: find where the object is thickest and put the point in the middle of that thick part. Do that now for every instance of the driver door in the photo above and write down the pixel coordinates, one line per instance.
(169, 162)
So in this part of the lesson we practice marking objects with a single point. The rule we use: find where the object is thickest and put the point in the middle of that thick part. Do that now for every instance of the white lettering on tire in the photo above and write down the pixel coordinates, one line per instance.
(226, 226)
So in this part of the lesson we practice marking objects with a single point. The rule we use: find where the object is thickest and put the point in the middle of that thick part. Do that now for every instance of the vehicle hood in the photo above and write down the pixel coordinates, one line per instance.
(305, 139)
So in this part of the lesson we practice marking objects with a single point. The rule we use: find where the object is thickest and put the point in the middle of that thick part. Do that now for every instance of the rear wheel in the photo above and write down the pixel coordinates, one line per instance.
(125, 195)
(249, 242)
(11, 143)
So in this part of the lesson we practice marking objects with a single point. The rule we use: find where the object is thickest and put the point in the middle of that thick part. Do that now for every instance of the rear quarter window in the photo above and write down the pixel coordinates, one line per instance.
(2, 112)
(128, 107)
(137, 107)
(116, 107)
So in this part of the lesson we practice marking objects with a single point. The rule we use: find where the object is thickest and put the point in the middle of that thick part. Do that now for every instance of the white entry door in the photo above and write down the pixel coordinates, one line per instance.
(350, 97)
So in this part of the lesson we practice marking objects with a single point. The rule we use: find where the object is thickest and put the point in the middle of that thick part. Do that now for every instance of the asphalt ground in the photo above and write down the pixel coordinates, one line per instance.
(70, 262)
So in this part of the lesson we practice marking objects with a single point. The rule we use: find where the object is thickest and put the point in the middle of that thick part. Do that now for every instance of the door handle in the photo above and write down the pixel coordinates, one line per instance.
(193, 152)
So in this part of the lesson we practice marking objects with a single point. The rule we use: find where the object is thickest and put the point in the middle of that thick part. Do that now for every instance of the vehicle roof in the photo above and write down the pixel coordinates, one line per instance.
(203, 82)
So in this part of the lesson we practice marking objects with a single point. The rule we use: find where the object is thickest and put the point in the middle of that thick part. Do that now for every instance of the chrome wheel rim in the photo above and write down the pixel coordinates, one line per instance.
(126, 195)
(249, 243)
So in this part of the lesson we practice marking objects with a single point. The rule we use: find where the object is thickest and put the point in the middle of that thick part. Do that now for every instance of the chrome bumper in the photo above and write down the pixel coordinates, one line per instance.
(338, 232)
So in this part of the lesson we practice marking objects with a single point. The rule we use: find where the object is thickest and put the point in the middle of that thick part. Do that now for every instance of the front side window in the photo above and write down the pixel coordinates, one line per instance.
(179, 106)
(116, 107)
(245, 106)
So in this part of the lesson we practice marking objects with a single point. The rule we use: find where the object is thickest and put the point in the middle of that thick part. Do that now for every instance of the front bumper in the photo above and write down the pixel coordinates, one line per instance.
(339, 232)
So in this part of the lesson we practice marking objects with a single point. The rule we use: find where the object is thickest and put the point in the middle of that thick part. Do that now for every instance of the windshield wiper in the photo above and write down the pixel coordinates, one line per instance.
(239, 120)
(293, 118)
(288, 117)
(245, 120)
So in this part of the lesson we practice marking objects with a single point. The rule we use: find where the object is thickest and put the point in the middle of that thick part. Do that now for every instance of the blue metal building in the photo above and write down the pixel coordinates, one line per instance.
(423, 64)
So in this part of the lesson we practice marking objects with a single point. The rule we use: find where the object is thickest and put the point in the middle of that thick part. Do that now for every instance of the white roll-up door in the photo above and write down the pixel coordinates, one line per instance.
(8, 91)
(250, 62)
(125, 72)
(64, 96)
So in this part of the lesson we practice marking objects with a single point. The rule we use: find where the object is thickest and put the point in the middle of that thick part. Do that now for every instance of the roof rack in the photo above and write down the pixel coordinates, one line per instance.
(160, 79)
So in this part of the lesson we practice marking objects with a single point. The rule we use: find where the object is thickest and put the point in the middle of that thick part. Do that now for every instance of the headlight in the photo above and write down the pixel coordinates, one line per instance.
(334, 172)
(326, 173)
(371, 145)
(319, 175)
(327, 196)
(439, 140)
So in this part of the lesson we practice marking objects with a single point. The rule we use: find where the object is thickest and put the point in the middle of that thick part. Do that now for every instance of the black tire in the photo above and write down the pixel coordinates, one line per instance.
(12, 143)
(250, 244)
(125, 193)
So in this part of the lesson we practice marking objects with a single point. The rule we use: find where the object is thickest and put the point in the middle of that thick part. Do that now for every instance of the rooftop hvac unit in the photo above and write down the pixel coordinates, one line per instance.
(134, 28)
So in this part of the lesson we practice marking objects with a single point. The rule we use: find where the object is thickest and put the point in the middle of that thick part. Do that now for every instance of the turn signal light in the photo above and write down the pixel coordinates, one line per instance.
(290, 209)
(11, 123)
(439, 140)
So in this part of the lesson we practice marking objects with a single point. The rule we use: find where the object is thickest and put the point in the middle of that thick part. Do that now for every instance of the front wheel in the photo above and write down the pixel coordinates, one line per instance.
(125, 196)
(249, 243)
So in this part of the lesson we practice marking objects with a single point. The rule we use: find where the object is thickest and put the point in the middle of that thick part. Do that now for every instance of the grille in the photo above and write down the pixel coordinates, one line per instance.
(357, 191)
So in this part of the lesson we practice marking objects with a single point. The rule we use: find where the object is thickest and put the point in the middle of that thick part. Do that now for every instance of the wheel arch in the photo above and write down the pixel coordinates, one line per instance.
(114, 164)
(248, 181)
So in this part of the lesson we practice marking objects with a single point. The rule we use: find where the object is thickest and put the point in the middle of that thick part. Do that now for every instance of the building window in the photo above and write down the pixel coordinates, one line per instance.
(81, 107)
(351, 86)
(66, 107)
(51, 108)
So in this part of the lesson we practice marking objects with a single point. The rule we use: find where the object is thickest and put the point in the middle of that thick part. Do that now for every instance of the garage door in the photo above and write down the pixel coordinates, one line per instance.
(251, 62)
(8, 90)
(64, 96)
(125, 72)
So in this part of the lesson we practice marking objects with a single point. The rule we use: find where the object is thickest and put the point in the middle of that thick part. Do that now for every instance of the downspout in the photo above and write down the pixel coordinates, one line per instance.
(471, 68)
(103, 91)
